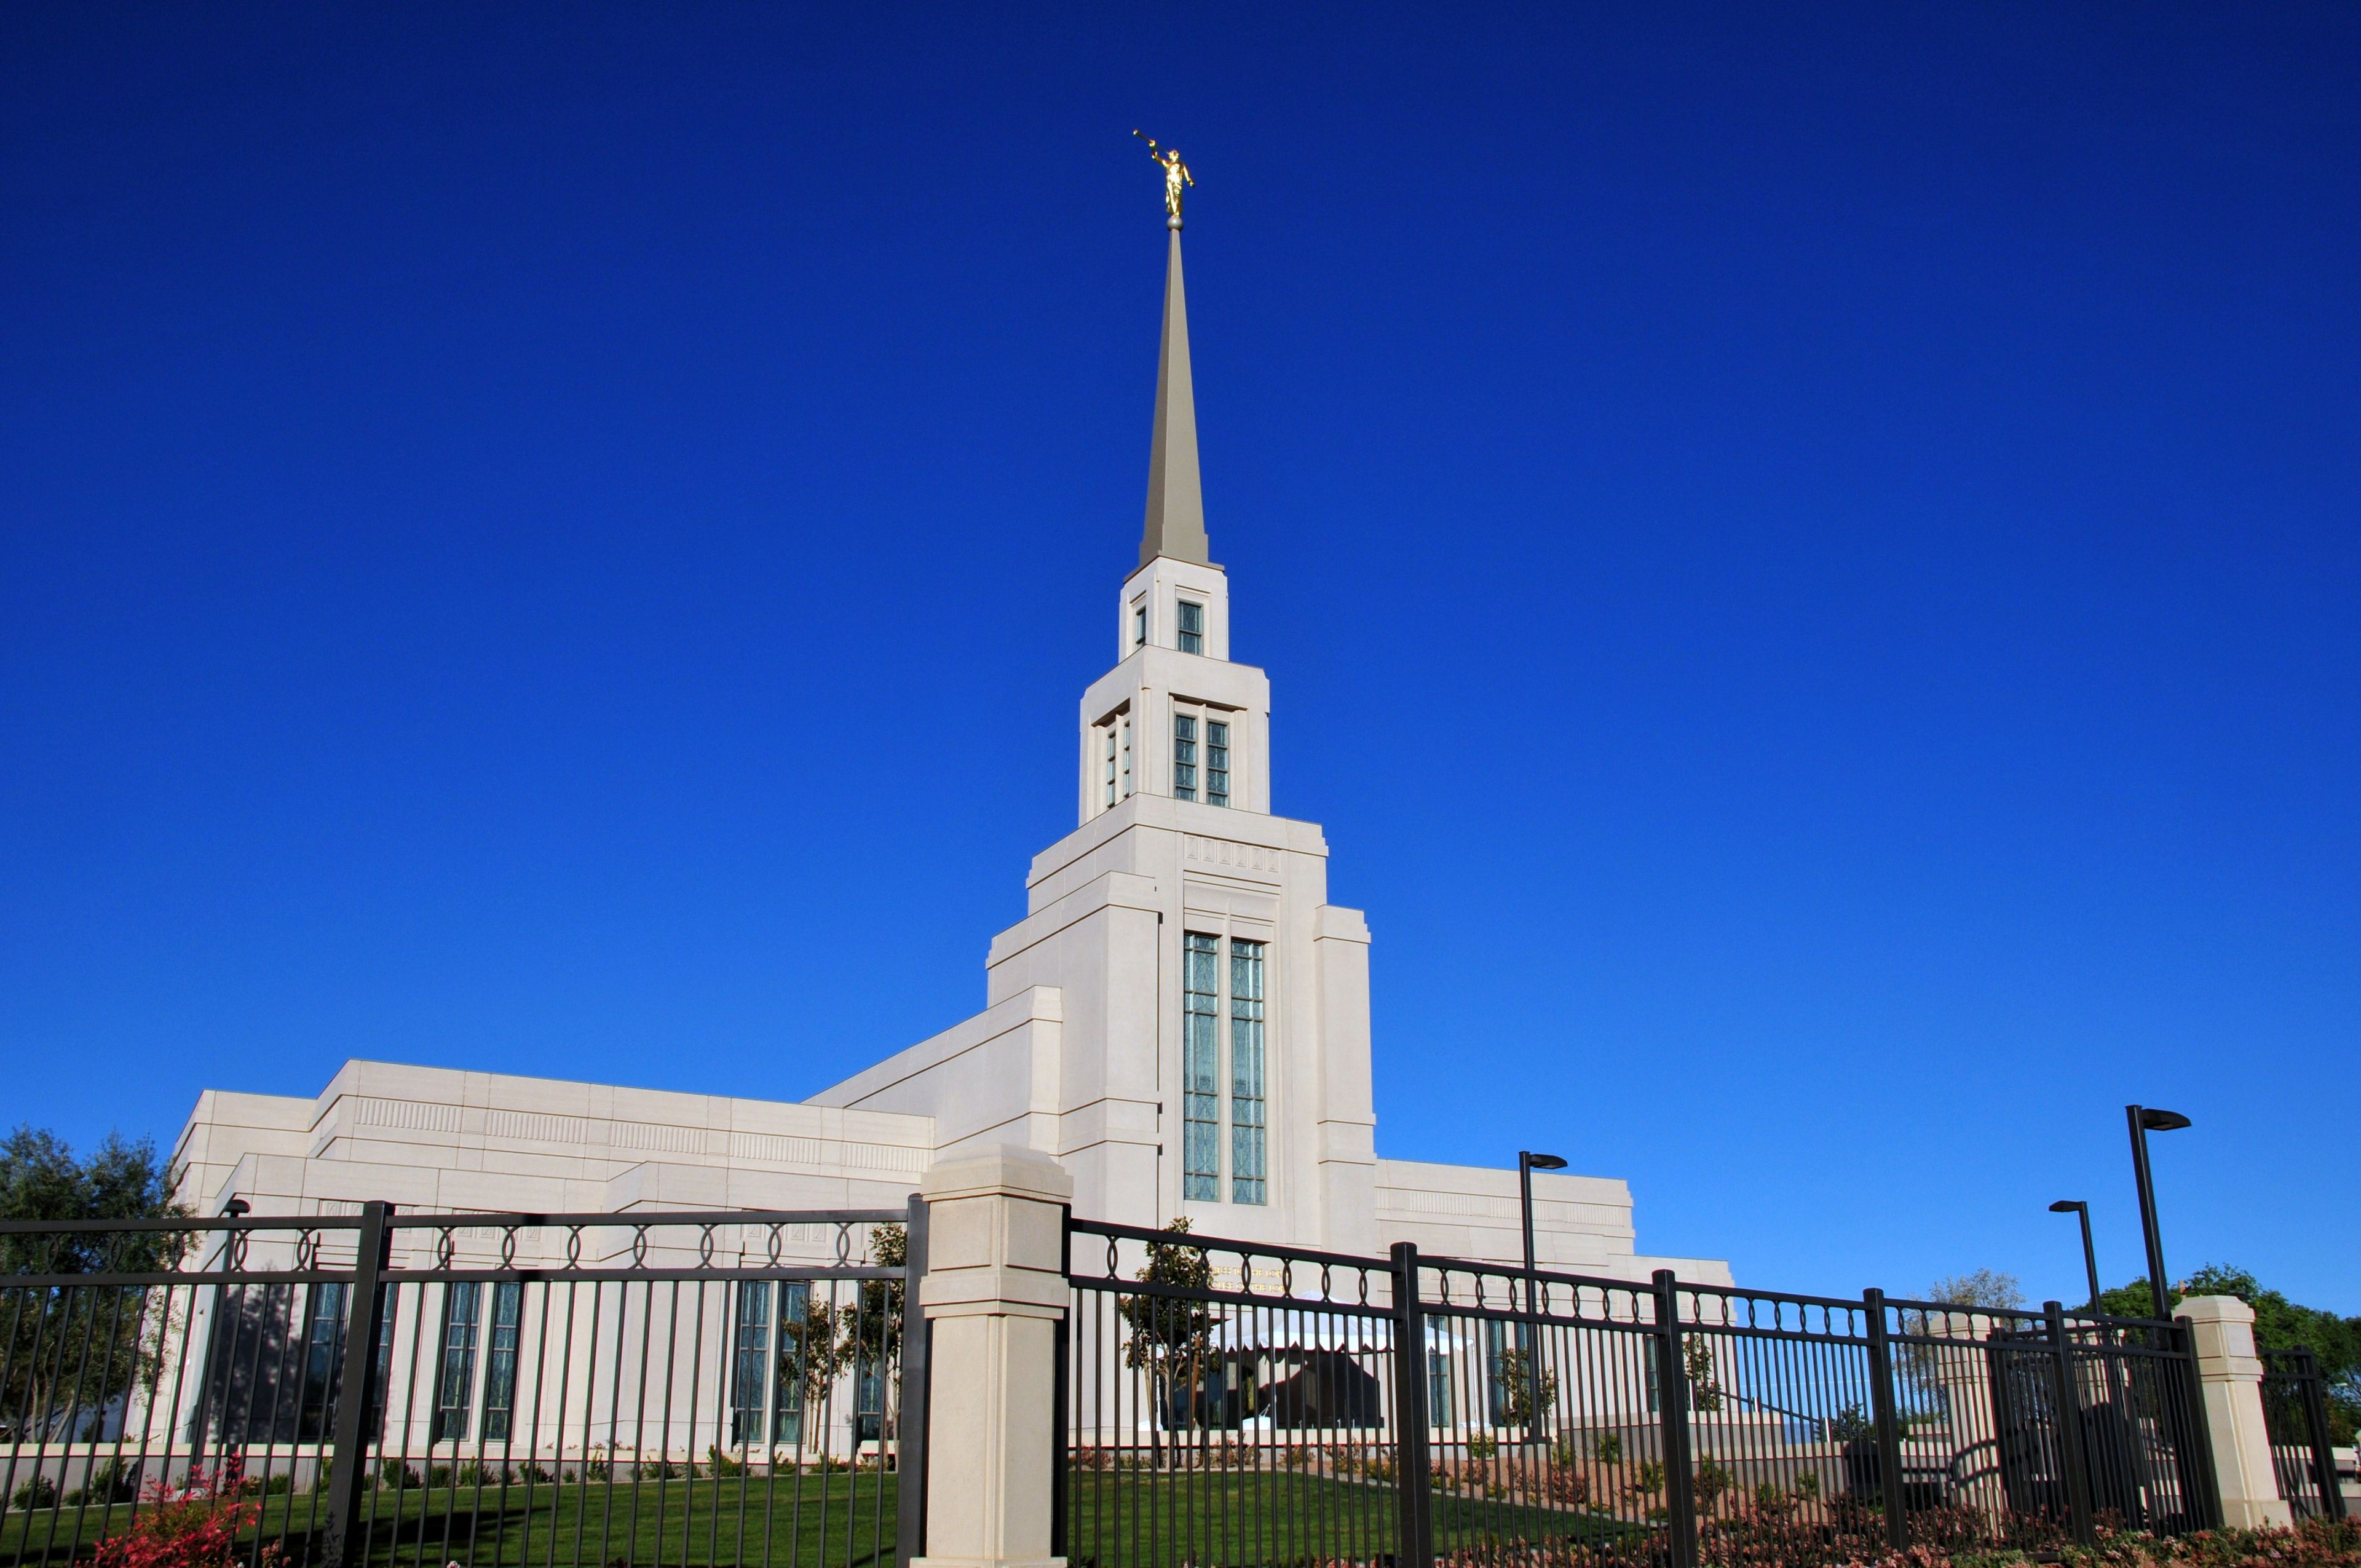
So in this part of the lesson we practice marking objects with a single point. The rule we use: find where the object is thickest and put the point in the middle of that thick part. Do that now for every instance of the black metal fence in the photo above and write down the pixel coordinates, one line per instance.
(2295, 1412)
(584, 1389)
(1235, 1402)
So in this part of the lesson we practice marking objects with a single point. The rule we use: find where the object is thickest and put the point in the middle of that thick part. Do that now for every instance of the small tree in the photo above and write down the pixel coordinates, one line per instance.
(1696, 1363)
(1171, 1338)
(1517, 1408)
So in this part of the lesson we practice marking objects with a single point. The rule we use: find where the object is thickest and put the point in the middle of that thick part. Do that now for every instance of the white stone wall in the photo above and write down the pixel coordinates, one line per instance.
(436, 1140)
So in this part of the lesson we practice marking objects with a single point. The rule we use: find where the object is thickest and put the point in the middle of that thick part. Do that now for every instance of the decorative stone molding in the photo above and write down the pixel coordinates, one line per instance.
(414, 1115)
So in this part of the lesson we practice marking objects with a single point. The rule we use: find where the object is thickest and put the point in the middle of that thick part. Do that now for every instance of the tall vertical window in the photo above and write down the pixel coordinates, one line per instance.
(1438, 1387)
(1496, 1387)
(1192, 628)
(1249, 1126)
(455, 1377)
(750, 1369)
(1201, 1104)
(323, 1360)
(1108, 790)
(1124, 722)
(1184, 757)
(795, 1356)
(500, 1360)
(1139, 625)
(1217, 763)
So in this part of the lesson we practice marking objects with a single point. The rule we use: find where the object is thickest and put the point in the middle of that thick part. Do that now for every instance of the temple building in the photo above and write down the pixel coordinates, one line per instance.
(1181, 1018)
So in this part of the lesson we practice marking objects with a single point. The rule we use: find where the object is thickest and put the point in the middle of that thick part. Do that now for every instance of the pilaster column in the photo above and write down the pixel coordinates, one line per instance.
(995, 1299)
(2230, 1380)
(1963, 1370)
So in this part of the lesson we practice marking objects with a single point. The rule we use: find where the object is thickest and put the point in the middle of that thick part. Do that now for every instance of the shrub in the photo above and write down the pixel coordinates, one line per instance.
(533, 1475)
(109, 1483)
(194, 1525)
(1481, 1446)
(438, 1476)
(1608, 1446)
(36, 1491)
(394, 1473)
(721, 1463)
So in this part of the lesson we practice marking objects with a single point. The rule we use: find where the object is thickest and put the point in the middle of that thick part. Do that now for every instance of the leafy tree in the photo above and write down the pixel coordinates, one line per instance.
(117, 1332)
(1987, 1288)
(40, 1178)
(1696, 1361)
(1169, 1338)
(1517, 1388)
(2280, 1324)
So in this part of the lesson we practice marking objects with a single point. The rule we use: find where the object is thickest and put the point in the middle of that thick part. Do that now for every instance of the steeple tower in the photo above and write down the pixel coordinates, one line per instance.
(1176, 503)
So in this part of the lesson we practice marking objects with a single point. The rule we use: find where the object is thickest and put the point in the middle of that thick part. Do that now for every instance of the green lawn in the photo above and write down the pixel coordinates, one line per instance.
(1115, 1519)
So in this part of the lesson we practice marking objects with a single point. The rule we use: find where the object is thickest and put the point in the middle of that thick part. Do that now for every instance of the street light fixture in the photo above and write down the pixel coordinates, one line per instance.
(1528, 1338)
(2090, 1256)
(2144, 1121)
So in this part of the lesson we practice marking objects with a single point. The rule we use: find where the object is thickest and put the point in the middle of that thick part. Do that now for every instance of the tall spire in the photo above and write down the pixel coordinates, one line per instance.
(1176, 505)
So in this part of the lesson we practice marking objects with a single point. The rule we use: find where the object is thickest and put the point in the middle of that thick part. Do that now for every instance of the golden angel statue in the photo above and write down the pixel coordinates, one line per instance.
(1176, 175)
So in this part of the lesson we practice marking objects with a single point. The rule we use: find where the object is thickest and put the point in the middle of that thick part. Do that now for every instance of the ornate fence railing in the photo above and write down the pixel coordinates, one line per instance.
(2295, 1413)
(661, 1388)
(1228, 1402)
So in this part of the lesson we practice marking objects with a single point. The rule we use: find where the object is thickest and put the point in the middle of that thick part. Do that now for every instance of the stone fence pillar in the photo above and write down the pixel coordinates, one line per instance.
(994, 1298)
(2230, 1380)
(1963, 1371)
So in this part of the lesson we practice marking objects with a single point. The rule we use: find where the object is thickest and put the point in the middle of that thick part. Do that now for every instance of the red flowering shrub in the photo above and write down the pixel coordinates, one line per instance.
(194, 1525)
(2312, 1544)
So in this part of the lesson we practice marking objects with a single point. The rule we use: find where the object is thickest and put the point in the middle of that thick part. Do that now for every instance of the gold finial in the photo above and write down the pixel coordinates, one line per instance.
(1176, 175)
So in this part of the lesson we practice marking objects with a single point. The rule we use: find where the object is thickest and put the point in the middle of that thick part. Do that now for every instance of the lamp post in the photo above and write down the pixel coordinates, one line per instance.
(2090, 1256)
(2144, 1121)
(1528, 1335)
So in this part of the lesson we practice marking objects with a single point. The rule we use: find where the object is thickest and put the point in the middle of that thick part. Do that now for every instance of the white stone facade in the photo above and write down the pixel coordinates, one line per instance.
(1084, 1047)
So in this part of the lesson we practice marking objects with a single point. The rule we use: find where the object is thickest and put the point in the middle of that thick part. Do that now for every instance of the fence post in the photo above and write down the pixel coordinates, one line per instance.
(1412, 1464)
(1891, 1492)
(1672, 1414)
(364, 1321)
(994, 1298)
(910, 1463)
(2071, 1457)
(2229, 1391)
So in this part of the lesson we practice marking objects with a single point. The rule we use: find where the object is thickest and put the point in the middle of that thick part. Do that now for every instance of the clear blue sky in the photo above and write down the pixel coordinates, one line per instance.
(1808, 556)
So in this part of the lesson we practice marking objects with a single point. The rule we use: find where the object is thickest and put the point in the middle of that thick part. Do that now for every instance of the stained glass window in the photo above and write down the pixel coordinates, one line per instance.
(1200, 1105)
(501, 1359)
(1248, 1124)
(454, 1384)
(1184, 759)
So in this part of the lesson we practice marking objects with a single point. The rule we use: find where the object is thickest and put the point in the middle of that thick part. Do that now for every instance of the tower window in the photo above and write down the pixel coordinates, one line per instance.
(1139, 624)
(1125, 723)
(1107, 792)
(1192, 628)
(1249, 1124)
(1184, 757)
(1217, 763)
(1201, 1104)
